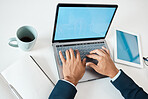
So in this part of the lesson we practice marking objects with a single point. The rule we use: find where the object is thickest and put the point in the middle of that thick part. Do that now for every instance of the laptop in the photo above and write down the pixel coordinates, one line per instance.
(83, 27)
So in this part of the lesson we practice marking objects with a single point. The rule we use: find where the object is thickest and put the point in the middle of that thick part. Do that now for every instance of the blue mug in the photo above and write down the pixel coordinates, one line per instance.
(25, 38)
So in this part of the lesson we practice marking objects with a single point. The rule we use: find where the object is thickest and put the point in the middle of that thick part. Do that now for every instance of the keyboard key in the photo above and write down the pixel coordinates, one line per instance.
(84, 48)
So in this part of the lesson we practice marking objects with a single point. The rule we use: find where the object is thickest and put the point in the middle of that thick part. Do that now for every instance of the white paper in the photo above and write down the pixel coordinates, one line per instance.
(27, 78)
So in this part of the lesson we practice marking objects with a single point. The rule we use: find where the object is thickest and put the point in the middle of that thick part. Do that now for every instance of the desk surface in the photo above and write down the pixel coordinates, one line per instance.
(131, 16)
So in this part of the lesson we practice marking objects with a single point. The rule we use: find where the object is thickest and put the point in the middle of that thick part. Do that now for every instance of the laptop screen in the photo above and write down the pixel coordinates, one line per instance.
(83, 22)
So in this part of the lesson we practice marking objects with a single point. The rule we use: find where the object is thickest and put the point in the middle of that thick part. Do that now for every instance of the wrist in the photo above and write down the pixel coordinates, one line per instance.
(73, 81)
(114, 73)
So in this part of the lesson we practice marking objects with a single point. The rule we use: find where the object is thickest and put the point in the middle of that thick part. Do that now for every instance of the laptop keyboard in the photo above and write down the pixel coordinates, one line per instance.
(84, 48)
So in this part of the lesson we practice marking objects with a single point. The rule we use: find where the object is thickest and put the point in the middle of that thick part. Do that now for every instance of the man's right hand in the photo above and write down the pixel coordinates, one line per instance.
(105, 64)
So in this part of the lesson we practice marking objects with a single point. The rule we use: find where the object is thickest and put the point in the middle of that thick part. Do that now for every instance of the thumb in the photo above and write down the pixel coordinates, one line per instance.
(84, 62)
(92, 65)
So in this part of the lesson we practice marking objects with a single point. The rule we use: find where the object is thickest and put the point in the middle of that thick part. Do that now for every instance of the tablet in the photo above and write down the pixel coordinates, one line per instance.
(128, 49)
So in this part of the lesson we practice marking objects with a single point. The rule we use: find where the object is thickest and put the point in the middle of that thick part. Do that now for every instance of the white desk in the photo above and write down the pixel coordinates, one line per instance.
(132, 16)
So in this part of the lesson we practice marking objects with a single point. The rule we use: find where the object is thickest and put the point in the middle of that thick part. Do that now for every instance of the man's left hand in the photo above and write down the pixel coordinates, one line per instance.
(73, 67)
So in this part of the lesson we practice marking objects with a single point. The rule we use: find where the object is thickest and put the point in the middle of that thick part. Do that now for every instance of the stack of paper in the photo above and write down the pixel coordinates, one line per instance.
(28, 79)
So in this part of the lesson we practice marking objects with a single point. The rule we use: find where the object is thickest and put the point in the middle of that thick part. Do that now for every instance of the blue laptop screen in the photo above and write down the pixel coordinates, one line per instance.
(83, 22)
(127, 47)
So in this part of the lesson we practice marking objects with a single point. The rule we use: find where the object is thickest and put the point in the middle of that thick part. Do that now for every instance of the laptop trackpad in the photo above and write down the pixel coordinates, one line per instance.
(91, 73)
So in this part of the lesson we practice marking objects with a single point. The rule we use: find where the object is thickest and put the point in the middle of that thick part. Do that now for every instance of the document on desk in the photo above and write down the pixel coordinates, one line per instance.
(28, 79)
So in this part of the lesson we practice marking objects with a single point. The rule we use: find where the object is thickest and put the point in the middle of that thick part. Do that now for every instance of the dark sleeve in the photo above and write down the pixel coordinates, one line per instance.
(63, 90)
(128, 88)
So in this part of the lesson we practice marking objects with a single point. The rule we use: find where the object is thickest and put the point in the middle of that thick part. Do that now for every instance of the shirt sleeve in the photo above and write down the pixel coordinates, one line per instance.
(63, 90)
(128, 88)
(68, 82)
(117, 75)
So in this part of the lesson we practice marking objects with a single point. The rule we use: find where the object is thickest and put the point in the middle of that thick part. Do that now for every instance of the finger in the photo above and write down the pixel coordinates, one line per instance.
(62, 57)
(67, 55)
(72, 55)
(98, 51)
(106, 50)
(84, 62)
(103, 51)
(94, 56)
(78, 54)
(92, 65)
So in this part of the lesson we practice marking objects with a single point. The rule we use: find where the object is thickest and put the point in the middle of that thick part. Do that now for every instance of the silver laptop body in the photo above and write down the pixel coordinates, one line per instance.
(83, 44)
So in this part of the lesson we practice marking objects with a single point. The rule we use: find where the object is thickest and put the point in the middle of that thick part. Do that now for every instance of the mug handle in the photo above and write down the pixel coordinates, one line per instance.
(11, 40)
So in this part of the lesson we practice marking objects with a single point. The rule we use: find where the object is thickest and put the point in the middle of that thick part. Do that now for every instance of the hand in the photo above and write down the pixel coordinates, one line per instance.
(73, 67)
(105, 64)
